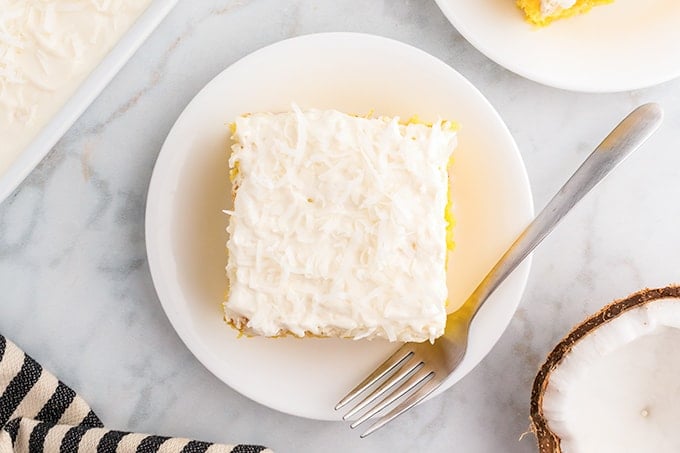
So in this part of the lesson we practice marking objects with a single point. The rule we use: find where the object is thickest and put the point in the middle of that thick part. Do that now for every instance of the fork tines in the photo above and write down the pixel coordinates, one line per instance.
(402, 375)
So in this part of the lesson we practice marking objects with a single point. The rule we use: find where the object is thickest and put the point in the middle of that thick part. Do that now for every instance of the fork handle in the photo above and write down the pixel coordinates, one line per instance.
(626, 137)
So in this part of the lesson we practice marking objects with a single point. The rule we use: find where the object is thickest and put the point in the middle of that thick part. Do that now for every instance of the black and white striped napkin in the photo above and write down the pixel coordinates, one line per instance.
(40, 414)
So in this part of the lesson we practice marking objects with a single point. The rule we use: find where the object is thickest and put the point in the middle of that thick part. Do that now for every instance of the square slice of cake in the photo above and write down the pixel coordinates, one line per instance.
(339, 226)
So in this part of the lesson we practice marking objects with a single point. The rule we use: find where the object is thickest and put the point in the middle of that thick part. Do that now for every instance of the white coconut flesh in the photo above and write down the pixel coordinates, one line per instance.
(618, 388)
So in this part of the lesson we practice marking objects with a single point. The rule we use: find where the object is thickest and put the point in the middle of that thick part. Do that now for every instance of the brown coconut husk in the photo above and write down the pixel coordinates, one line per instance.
(548, 442)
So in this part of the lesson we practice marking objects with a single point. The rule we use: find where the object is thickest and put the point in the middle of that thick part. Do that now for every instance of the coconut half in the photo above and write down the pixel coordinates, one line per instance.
(613, 384)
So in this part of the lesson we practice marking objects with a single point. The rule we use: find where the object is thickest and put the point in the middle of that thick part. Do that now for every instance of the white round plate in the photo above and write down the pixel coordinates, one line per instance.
(625, 45)
(185, 225)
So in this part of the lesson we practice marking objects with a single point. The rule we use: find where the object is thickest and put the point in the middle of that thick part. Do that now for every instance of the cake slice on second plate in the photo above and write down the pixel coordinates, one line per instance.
(542, 12)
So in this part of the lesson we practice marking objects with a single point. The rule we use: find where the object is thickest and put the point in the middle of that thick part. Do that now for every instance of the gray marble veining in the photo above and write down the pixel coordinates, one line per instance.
(75, 288)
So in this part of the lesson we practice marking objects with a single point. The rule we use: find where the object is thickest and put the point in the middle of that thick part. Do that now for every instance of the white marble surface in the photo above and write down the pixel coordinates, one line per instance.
(76, 293)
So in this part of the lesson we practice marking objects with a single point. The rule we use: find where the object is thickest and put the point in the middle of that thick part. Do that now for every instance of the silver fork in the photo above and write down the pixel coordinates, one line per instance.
(418, 369)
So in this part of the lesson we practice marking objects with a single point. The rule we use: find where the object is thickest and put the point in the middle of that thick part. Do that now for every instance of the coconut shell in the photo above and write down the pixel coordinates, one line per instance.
(548, 442)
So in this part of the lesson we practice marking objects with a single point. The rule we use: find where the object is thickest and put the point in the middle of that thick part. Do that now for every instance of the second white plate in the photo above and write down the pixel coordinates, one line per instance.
(185, 225)
(625, 45)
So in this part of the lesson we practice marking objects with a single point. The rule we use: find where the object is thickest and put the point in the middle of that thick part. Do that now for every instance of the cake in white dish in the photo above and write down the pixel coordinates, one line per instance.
(47, 49)
(339, 226)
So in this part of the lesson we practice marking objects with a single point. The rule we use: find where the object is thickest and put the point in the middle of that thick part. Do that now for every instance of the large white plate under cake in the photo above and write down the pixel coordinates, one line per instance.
(624, 45)
(185, 225)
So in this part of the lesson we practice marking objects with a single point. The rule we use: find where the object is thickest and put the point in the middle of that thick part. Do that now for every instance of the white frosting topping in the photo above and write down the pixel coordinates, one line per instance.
(338, 226)
(47, 48)
(550, 7)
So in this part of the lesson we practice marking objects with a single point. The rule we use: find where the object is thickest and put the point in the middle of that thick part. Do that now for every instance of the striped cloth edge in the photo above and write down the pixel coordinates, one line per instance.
(40, 414)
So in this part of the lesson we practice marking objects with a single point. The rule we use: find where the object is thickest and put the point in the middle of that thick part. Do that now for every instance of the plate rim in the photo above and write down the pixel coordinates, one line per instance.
(202, 354)
(447, 8)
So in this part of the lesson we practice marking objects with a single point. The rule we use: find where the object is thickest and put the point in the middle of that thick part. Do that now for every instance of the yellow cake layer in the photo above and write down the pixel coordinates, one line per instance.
(532, 10)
